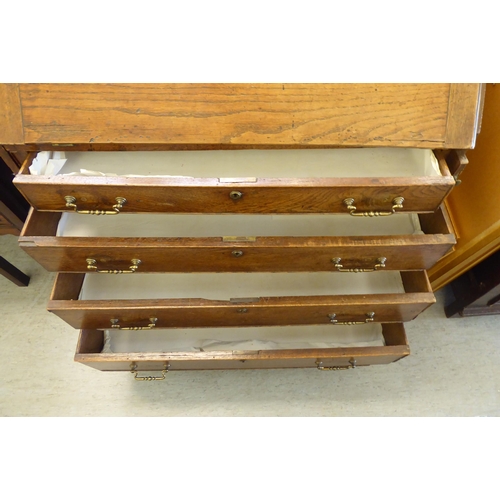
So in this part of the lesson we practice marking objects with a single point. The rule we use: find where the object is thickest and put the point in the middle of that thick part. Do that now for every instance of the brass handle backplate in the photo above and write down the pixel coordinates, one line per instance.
(396, 203)
(380, 264)
(91, 266)
(71, 203)
(369, 319)
(319, 365)
(152, 324)
(133, 370)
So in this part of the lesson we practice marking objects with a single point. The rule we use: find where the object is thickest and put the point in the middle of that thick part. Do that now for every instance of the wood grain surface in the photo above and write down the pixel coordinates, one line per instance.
(246, 115)
(214, 254)
(11, 121)
(91, 341)
(208, 195)
(259, 311)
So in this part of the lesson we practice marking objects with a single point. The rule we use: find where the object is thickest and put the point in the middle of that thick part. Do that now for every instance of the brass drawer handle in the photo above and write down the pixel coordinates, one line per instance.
(152, 324)
(396, 203)
(91, 266)
(133, 370)
(352, 364)
(339, 267)
(70, 203)
(369, 319)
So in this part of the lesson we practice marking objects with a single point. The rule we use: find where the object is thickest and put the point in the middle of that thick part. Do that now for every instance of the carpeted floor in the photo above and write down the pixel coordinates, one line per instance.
(454, 370)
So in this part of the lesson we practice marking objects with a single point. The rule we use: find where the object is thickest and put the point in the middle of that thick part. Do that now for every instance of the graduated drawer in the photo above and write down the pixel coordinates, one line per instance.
(356, 180)
(147, 301)
(92, 351)
(235, 243)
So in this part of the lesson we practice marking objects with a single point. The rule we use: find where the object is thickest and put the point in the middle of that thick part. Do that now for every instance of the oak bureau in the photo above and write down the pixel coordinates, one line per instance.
(244, 226)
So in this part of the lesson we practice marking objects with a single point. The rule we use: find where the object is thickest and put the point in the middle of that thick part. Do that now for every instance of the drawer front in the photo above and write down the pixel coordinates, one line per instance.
(280, 196)
(282, 192)
(257, 311)
(288, 254)
(236, 254)
(91, 343)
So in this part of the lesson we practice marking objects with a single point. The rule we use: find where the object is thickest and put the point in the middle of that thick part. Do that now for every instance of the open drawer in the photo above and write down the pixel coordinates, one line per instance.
(164, 353)
(68, 242)
(152, 301)
(356, 181)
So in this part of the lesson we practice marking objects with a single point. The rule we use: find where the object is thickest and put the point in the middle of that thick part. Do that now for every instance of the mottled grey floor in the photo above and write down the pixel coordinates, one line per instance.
(454, 370)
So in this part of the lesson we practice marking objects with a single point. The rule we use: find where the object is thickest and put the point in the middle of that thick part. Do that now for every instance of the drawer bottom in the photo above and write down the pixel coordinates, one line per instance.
(92, 351)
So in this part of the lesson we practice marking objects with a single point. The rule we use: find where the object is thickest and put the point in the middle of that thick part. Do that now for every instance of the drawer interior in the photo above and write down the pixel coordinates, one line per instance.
(96, 349)
(227, 286)
(243, 339)
(230, 164)
(173, 226)
(188, 226)
(223, 300)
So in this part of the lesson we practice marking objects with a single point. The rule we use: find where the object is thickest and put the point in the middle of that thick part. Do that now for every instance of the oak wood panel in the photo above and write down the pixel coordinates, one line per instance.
(90, 341)
(206, 195)
(41, 223)
(266, 254)
(394, 334)
(415, 281)
(396, 348)
(67, 287)
(259, 311)
(11, 121)
(463, 115)
(406, 115)
(437, 223)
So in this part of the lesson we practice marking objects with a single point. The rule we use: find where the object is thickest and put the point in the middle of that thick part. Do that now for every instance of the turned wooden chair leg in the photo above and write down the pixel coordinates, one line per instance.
(13, 273)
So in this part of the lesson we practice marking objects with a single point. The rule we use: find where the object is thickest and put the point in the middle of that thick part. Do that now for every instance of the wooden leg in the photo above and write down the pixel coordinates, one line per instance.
(12, 273)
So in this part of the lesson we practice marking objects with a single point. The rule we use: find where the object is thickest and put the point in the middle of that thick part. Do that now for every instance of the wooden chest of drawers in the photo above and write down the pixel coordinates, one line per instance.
(252, 226)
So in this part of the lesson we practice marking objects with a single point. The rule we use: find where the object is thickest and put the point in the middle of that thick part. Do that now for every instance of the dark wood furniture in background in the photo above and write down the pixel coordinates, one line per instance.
(477, 291)
(13, 212)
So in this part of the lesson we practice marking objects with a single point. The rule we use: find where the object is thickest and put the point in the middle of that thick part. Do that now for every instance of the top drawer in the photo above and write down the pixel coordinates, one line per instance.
(360, 181)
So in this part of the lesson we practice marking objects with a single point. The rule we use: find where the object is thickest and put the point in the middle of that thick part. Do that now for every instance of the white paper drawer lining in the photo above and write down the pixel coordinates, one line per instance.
(244, 339)
(193, 226)
(225, 286)
(350, 162)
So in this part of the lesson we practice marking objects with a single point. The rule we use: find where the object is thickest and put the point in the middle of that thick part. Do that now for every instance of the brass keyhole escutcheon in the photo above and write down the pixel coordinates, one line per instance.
(237, 253)
(235, 195)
